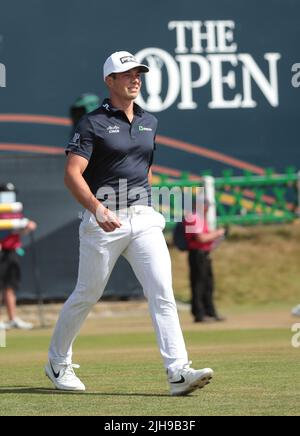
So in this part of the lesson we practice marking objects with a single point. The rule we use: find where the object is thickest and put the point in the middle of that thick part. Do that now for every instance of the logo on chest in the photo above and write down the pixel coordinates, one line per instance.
(113, 129)
(144, 129)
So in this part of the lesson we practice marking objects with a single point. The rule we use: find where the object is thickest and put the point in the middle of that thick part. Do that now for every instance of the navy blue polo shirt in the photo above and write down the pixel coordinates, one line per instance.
(119, 153)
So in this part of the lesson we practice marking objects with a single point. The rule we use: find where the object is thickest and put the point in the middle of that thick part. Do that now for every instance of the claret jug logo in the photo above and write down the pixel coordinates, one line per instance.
(207, 55)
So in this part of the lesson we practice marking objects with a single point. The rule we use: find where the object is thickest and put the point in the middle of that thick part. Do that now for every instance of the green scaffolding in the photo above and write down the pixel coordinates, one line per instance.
(244, 200)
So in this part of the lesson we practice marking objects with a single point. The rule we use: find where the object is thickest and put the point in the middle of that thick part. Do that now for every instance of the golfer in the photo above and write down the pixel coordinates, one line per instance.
(108, 171)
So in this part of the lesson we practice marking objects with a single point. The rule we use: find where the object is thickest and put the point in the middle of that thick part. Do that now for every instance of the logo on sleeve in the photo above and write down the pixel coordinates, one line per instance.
(76, 139)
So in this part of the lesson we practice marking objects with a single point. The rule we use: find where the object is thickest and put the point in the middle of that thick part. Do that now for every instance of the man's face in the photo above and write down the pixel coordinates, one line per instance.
(125, 85)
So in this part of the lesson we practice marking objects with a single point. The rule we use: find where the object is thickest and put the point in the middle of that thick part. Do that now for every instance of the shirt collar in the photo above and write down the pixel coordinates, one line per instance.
(107, 106)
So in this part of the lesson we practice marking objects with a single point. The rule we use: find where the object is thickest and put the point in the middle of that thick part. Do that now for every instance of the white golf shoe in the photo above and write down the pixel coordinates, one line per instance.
(186, 380)
(18, 323)
(63, 377)
(296, 310)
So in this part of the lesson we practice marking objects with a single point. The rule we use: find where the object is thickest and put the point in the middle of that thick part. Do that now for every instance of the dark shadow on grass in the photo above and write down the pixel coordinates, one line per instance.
(44, 391)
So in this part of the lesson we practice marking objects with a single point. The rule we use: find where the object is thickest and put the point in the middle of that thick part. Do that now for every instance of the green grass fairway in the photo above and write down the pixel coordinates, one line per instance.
(256, 371)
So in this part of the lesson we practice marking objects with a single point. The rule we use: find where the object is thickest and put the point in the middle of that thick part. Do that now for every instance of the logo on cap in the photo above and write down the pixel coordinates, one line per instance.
(125, 59)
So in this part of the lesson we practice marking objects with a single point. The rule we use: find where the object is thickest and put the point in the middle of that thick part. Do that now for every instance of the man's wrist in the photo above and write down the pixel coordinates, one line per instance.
(95, 206)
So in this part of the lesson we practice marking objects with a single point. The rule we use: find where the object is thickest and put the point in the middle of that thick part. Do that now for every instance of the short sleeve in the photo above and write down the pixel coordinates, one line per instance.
(83, 139)
(154, 145)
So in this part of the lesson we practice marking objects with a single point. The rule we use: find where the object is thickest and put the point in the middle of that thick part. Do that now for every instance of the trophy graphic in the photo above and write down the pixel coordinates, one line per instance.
(154, 83)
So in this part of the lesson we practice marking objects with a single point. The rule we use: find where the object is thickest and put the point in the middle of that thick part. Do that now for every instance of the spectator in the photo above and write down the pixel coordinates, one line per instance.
(10, 272)
(84, 104)
(200, 243)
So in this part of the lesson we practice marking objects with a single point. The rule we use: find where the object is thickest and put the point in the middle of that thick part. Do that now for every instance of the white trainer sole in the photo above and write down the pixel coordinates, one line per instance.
(203, 380)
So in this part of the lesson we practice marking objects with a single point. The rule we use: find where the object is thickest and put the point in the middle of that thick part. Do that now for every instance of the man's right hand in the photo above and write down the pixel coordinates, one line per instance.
(106, 219)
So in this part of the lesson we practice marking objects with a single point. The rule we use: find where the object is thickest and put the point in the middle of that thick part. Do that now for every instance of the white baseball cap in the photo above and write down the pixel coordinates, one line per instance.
(121, 61)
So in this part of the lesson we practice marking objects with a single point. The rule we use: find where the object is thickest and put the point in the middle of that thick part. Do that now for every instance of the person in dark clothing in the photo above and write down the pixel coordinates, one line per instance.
(200, 244)
(10, 248)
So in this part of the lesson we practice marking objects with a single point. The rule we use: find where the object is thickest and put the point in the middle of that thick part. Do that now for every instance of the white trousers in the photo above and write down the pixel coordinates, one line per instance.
(141, 241)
